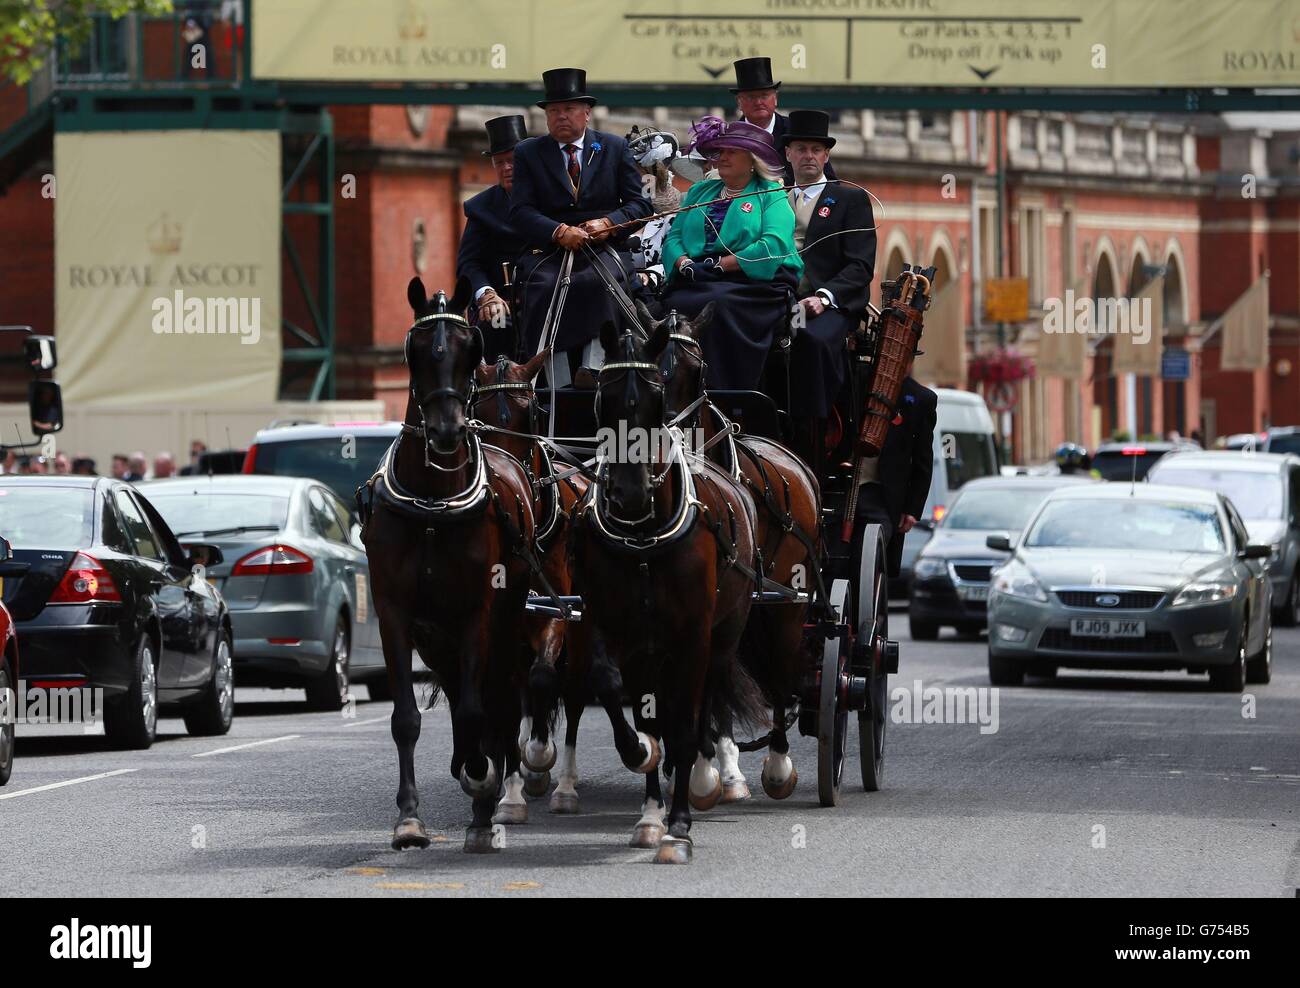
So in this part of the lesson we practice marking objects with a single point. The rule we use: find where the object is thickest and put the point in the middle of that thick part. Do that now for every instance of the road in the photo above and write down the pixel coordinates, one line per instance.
(1097, 784)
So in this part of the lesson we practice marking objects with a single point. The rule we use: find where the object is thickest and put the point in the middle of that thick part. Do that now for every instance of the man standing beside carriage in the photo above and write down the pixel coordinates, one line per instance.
(572, 188)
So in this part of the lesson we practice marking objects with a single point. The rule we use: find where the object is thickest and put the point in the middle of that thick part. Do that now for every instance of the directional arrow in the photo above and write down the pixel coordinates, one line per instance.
(714, 73)
(983, 73)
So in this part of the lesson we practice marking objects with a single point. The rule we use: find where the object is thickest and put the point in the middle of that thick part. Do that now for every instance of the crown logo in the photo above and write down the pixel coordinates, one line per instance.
(411, 24)
(163, 236)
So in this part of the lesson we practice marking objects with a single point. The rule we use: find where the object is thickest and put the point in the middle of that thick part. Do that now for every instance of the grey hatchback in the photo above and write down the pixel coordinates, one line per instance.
(294, 575)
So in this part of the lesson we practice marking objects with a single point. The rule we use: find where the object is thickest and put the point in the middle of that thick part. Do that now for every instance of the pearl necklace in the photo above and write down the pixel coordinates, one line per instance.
(728, 194)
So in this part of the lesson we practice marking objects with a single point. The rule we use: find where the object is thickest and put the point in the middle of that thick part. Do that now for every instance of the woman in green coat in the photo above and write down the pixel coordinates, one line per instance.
(738, 253)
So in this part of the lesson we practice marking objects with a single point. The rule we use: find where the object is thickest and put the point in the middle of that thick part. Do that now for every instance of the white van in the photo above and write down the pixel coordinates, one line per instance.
(964, 429)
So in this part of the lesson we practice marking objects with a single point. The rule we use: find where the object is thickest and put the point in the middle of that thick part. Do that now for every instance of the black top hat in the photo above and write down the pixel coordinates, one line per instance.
(809, 125)
(565, 85)
(754, 73)
(504, 133)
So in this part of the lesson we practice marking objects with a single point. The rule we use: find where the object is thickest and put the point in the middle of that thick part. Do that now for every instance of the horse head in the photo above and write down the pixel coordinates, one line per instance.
(442, 350)
(682, 361)
(504, 396)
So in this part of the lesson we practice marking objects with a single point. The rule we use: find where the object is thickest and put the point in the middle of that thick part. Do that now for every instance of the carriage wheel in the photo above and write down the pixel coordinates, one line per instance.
(832, 708)
(873, 630)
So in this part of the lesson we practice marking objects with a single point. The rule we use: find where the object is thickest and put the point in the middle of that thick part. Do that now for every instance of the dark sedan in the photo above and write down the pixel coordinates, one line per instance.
(950, 578)
(104, 597)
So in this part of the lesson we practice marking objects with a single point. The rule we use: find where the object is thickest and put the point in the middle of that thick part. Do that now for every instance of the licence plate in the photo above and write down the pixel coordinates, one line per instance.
(1107, 628)
(975, 592)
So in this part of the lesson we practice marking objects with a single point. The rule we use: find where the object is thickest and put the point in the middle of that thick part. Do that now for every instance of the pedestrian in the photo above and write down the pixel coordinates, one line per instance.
(164, 466)
(62, 464)
(197, 448)
(136, 467)
(119, 467)
(83, 466)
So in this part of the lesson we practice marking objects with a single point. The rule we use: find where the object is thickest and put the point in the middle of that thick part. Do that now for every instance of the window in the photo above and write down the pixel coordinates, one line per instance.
(137, 529)
(113, 535)
(323, 518)
(43, 517)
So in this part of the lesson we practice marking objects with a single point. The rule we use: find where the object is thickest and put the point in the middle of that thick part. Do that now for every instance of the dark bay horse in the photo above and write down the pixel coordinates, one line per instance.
(663, 546)
(506, 402)
(788, 533)
(448, 529)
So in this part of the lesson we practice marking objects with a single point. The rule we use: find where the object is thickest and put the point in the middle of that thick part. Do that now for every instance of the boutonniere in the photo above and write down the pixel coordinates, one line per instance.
(824, 212)
(909, 399)
(830, 200)
(746, 207)
(595, 145)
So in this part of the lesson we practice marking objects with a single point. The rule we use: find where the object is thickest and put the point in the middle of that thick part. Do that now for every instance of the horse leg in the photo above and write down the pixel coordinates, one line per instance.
(779, 776)
(734, 786)
(675, 847)
(405, 721)
(565, 797)
(483, 836)
(686, 720)
(539, 750)
(639, 751)
(649, 830)
(512, 809)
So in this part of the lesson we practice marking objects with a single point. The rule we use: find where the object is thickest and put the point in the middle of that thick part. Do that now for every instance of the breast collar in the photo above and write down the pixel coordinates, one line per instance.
(467, 503)
(683, 519)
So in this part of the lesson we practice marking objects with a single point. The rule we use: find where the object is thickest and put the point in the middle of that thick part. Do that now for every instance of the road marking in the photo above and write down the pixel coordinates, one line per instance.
(369, 872)
(69, 782)
(521, 886)
(241, 747)
(371, 720)
(419, 886)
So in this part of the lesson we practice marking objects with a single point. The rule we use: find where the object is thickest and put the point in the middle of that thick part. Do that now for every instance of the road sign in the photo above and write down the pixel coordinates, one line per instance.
(1006, 299)
(1175, 365)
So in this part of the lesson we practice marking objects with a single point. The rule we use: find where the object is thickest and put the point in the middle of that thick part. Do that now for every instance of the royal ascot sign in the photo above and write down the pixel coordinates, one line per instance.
(960, 43)
(167, 260)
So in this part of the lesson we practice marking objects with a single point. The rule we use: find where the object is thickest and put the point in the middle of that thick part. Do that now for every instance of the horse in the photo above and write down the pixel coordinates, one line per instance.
(662, 547)
(788, 534)
(448, 528)
(505, 399)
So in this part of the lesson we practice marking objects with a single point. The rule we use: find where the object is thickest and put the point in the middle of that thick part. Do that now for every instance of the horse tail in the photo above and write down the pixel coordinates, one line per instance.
(735, 699)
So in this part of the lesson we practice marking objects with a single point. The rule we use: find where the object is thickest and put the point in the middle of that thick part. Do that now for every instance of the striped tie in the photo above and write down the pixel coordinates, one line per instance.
(575, 170)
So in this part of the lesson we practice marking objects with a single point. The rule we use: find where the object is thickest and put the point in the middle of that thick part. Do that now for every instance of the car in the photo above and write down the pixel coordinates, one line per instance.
(295, 577)
(1265, 490)
(104, 596)
(1282, 439)
(1132, 460)
(341, 456)
(950, 578)
(1142, 576)
(1243, 440)
(965, 448)
(9, 673)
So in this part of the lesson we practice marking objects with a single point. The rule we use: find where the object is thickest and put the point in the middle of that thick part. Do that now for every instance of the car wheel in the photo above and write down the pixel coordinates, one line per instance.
(1288, 614)
(329, 690)
(922, 631)
(1259, 668)
(1231, 678)
(1005, 672)
(7, 726)
(132, 720)
(214, 711)
(1044, 671)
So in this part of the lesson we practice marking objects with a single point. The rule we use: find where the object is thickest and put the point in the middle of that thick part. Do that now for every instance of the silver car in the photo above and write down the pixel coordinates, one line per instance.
(1132, 576)
(295, 577)
(1265, 490)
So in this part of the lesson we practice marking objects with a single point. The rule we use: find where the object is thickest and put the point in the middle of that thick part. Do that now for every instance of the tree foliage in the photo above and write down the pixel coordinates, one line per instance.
(30, 29)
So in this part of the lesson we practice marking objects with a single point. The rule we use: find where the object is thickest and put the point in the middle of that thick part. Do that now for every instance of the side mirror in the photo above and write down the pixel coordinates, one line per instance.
(1257, 551)
(6, 550)
(926, 524)
(45, 406)
(40, 352)
(1000, 542)
(203, 554)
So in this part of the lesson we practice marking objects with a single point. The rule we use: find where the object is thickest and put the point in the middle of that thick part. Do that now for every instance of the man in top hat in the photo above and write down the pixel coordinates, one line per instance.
(756, 98)
(571, 188)
(834, 231)
(489, 243)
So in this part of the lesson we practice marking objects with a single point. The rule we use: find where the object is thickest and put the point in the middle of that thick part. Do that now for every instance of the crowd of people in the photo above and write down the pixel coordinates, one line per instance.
(131, 467)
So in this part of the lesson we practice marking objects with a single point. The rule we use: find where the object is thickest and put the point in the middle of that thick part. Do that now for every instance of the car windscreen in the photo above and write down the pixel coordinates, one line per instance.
(995, 508)
(342, 463)
(966, 456)
(1139, 525)
(47, 517)
(191, 512)
(1253, 494)
(1119, 466)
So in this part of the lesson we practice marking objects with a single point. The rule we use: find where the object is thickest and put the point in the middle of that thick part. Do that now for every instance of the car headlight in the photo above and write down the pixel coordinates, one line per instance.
(928, 567)
(1015, 580)
(1207, 592)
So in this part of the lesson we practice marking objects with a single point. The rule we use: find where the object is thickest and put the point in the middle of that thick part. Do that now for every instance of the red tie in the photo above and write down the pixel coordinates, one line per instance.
(575, 170)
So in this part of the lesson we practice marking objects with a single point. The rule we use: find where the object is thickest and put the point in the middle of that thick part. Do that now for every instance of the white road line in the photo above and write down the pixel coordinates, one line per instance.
(241, 747)
(372, 720)
(70, 782)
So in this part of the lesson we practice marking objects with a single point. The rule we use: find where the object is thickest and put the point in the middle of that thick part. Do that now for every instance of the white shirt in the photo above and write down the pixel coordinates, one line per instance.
(771, 124)
(576, 142)
(810, 194)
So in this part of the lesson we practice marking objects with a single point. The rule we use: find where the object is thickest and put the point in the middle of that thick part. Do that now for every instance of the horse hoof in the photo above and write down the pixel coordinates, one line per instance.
(781, 790)
(651, 746)
(538, 757)
(478, 788)
(410, 833)
(564, 802)
(708, 800)
(734, 792)
(511, 813)
(674, 850)
(536, 784)
(647, 836)
(479, 840)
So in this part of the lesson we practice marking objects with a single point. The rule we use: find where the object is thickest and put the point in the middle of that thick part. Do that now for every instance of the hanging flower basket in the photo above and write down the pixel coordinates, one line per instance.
(999, 367)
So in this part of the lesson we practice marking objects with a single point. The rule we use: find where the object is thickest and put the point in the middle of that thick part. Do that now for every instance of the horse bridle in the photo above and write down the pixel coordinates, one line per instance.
(504, 389)
(439, 351)
(668, 365)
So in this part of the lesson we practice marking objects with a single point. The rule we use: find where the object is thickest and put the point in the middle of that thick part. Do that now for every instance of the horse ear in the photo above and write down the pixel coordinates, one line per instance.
(646, 316)
(705, 319)
(534, 366)
(658, 340)
(609, 338)
(416, 295)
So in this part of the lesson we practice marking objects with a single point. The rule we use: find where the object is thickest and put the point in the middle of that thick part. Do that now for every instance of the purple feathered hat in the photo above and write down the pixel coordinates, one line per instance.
(712, 134)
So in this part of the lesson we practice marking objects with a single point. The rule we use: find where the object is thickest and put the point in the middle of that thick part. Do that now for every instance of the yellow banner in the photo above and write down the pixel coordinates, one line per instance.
(1245, 330)
(1049, 43)
(167, 266)
(943, 340)
(1138, 348)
